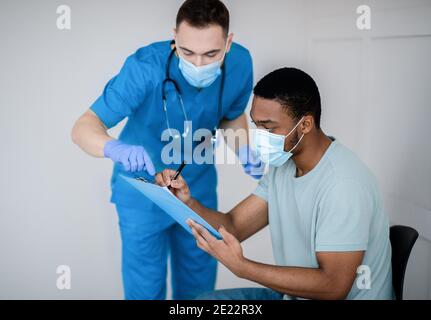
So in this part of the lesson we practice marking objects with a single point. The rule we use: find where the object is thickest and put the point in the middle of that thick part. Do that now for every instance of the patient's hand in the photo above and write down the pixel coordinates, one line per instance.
(178, 187)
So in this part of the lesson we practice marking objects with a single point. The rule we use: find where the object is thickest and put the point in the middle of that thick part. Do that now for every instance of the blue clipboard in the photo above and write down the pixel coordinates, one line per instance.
(163, 198)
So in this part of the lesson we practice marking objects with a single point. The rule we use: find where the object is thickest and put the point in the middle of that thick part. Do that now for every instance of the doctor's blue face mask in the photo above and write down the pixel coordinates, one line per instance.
(202, 76)
(270, 146)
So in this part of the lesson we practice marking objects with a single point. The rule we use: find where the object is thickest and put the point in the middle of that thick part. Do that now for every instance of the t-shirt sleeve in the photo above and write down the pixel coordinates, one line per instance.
(262, 188)
(124, 93)
(240, 103)
(344, 218)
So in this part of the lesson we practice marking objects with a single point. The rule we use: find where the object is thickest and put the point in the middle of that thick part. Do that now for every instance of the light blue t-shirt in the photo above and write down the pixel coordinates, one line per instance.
(337, 206)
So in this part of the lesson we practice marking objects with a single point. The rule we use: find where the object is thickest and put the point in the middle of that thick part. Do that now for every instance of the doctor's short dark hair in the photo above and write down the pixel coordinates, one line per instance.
(294, 89)
(203, 13)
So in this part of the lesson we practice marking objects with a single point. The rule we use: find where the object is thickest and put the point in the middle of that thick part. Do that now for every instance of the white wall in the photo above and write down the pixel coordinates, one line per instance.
(54, 198)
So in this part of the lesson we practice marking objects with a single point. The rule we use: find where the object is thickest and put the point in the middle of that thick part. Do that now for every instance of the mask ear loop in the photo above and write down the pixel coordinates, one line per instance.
(297, 143)
(299, 138)
(294, 128)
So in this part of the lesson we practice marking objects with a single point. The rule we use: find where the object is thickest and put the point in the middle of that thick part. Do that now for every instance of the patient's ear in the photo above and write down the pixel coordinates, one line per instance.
(307, 124)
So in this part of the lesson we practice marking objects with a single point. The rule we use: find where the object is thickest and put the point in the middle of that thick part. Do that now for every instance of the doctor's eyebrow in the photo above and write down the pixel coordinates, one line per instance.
(206, 53)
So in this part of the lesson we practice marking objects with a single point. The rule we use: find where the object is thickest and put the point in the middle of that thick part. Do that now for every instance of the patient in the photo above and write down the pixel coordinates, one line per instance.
(329, 231)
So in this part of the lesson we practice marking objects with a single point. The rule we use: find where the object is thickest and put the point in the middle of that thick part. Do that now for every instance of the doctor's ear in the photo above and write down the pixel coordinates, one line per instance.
(307, 124)
(229, 42)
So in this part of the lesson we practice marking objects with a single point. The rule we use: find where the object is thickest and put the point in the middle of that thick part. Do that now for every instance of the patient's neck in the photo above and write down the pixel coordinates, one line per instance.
(312, 150)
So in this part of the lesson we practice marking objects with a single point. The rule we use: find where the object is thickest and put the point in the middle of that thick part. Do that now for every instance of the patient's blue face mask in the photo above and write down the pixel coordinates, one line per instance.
(270, 146)
(202, 76)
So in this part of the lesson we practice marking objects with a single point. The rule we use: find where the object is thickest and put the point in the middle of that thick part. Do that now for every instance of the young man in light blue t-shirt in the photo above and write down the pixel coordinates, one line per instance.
(329, 231)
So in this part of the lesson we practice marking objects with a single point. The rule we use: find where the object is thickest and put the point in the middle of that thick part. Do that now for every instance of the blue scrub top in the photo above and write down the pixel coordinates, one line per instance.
(136, 93)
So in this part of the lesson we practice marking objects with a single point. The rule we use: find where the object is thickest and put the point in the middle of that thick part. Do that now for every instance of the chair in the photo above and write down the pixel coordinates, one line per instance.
(402, 240)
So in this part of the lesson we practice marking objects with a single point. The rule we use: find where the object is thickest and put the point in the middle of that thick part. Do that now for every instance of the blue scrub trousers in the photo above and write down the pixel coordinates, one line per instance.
(148, 238)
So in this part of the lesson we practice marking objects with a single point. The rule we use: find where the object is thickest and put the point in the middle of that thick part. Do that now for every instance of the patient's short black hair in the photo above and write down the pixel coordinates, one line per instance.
(294, 89)
(202, 13)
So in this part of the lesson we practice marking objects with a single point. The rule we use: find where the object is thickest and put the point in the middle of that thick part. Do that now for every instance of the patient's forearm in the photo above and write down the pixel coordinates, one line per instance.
(309, 283)
(213, 217)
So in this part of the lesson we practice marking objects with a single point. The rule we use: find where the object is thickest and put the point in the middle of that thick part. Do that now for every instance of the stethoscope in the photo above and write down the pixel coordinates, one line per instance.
(178, 93)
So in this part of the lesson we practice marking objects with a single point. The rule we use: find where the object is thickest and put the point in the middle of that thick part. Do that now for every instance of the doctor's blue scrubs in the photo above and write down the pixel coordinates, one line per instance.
(149, 235)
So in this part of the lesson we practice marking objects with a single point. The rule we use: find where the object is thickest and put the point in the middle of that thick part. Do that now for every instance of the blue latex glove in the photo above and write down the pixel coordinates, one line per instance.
(133, 158)
(251, 162)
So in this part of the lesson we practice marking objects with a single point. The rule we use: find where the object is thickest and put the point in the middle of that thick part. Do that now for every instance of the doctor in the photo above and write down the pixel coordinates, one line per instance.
(200, 80)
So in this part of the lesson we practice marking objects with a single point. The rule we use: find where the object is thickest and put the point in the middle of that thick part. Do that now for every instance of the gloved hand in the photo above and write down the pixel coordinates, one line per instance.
(251, 162)
(133, 158)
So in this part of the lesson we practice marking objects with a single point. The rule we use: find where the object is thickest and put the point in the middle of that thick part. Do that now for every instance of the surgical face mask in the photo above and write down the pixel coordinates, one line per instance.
(270, 146)
(203, 76)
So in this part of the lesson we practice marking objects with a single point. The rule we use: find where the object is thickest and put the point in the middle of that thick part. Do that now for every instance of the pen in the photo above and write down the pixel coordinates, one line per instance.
(179, 170)
(177, 173)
